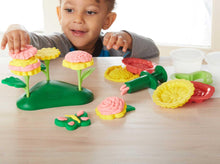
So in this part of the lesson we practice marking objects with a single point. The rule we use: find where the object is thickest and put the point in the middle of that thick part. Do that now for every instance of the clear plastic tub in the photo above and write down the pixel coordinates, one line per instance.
(187, 60)
(213, 60)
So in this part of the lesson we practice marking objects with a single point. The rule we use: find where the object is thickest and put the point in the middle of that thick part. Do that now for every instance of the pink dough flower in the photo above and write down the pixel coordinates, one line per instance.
(111, 107)
(78, 60)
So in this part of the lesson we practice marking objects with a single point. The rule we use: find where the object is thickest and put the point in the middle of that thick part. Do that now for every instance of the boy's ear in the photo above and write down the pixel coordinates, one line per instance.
(109, 20)
(58, 13)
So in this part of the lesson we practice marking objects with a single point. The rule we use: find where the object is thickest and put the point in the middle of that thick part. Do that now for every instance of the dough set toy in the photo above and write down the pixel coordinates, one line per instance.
(137, 75)
(44, 94)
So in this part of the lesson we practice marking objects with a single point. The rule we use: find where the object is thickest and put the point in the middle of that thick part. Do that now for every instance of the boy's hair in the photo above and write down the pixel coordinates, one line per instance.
(110, 3)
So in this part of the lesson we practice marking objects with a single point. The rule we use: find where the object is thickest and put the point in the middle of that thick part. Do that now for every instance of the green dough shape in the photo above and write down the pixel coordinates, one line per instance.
(76, 124)
(49, 94)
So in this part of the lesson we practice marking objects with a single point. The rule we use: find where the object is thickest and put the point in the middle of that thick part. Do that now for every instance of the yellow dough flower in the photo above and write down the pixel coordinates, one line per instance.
(174, 93)
(48, 53)
(119, 74)
(23, 63)
(26, 67)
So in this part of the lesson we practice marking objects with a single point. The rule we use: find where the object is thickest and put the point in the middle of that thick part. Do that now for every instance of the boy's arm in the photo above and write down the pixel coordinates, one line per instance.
(57, 40)
(116, 40)
(143, 47)
(140, 47)
(16, 37)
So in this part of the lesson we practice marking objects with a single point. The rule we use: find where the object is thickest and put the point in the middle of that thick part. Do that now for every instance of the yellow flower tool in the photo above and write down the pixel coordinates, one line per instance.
(174, 93)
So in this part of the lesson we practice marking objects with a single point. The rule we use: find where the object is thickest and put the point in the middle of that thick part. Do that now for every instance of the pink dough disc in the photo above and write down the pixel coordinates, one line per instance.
(78, 57)
(29, 52)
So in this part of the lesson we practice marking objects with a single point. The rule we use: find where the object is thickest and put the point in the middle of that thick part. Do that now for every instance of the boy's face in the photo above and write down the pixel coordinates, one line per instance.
(82, 21)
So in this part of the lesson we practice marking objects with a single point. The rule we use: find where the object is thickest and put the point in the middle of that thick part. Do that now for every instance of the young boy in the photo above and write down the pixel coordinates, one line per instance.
(82, 22)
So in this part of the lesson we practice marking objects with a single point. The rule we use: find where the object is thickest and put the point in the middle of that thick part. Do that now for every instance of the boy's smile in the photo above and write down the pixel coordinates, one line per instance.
(82, 21)
(78, 33)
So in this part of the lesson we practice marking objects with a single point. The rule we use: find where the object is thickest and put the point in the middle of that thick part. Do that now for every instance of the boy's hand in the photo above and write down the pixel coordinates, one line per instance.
(16, 37)
(116, 40)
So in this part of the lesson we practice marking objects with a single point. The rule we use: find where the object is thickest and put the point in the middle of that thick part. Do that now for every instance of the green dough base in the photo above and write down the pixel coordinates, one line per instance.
(49, 94)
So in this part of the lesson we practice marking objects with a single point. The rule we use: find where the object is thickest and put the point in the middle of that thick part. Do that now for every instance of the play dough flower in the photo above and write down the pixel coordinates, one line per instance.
(27, 67)
(111, 108)
(25, 54)
(119, 74)
(78, 60)
(174, 93)
(47, 54)
(23, 64)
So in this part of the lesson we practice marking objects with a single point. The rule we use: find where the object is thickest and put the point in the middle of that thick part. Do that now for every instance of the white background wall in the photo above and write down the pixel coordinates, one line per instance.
(51, 24)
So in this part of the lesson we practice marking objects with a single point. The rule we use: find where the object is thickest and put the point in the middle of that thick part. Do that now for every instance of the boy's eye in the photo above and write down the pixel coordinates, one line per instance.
(69, 10)
(91, 12)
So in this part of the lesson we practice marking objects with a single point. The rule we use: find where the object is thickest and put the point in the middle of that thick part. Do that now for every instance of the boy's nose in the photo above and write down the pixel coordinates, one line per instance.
(78, 18)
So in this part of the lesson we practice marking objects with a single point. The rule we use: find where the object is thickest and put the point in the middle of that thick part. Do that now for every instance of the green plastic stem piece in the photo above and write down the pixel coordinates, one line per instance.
(79, 80)
(144, 81)
(27, 86)
(147, 80)
(160, 74)
(47, 73)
